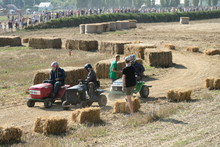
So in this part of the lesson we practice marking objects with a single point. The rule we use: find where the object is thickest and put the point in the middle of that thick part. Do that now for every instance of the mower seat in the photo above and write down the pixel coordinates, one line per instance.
(65, 86)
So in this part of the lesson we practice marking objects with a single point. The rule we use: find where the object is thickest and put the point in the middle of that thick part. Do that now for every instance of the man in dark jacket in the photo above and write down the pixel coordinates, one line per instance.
(139, 68)
(57, 77)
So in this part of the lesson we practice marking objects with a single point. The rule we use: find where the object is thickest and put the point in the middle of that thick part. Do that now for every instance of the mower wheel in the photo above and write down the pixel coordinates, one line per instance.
(30, 103)
(89, 103)
(144, 91)
(102, 100)
(48, 103)
(65, 105)
(83, 104)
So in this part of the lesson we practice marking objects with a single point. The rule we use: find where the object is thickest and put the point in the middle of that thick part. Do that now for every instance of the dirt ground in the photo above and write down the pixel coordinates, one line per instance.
(191, 124)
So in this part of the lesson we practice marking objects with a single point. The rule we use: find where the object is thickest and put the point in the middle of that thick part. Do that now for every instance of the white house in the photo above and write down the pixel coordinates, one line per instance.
(45, 6)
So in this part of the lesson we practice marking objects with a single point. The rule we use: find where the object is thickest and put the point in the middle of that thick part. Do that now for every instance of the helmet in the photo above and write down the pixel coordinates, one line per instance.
(87, 66)
(133, 58)
(127, 59)
(55, 64)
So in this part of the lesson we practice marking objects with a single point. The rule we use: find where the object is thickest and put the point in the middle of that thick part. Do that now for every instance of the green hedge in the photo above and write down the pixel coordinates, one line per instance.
(140, 17)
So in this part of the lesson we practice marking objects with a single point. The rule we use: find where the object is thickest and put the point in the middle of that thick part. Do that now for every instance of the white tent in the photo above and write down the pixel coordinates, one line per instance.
(43, 6)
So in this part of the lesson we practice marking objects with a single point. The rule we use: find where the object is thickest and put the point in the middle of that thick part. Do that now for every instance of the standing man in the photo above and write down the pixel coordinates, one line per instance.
(114, 69)
(128, 82)
(139, 68)
(57, 77)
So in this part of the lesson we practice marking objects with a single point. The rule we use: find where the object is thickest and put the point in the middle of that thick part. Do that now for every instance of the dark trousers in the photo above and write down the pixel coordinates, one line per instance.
(57, 85)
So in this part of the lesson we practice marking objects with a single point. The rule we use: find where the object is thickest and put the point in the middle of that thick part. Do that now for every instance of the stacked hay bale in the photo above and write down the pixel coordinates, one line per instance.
(85, 45)
(158, 58)
(193, 49)
(10, 134)
(44, 43)
(212, 52)
(106, 26)
(91, 114)
(121, 106)
(184, 20)
(213, 83)
(82, 28)
(133, 23)
(170, 46)
(25, 40)
(112, 47)
(73, 74)
(125, 24)
(10, 41)
(137, 49)
(118, 25)
(178, 95)
(50, 125)
(100, 28)
(112, 26)
(90, 28)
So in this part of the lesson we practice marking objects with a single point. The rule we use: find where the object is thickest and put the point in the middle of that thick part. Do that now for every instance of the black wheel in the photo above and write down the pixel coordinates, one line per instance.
(89, 103)
(48, 103)
(30, 103)
(65, 105)
(102, 100)
(83, 104)
(144, 91)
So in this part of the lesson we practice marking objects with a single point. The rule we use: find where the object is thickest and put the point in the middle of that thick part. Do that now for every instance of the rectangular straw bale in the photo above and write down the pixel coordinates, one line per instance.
(112, 47)
(90, 28)
(212, 51)
(39, 124)
(91, 114)
(170, 46)
(55, 126)
(25, 40)
(82, 28)
(137, 49)
(10, 134)
(112, 26)
(133, 23)
(217, 83)
(121, 106)
(213, 83)
(45, 43)
(106, 26)
(178, 95)
(73, 74)
(125, 24)
(193, 48)
(85, 45)
(184, 20)
(10, 41)
(118, 25)
(158, 58)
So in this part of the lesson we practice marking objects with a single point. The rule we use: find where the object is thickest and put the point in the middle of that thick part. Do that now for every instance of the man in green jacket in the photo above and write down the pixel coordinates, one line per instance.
(114, 69)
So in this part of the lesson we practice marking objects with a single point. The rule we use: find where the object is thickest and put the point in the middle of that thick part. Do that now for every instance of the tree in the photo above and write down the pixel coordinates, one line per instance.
(195, 3)
(186, 3)
(214, 2)
(208, 2)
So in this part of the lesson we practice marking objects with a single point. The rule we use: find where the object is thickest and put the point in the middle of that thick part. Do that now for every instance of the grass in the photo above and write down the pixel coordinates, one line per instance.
(119, 32)
(3, 18)
(2, 49)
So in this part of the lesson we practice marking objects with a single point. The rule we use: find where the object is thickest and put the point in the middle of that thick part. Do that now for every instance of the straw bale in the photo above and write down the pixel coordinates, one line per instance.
(82, 28)
(90, 114)
(10, 41)
(213, 83)
(158, 58)
(133, 23)
(55, 126)
(112, 26)
(121, 106)
(137, 49)
(39, 125)
(170, 46)
(10, 134)
(25, 40)
(212, 51)
(118, 25)
(73, 74)
(90, 28)
(184, 20)
(106, 26)
(193, 48)
(125, 24)
(136, 42)
(100, 28)
(112, 47)
(85, 45)
(179, 94)
(45, 42)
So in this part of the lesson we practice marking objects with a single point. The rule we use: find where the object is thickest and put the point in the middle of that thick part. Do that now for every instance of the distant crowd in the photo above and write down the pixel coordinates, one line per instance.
(14, 23)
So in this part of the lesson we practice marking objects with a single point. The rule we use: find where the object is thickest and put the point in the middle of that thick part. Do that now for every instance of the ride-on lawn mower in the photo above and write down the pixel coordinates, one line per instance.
(42, 93)
(78, 95)
(116, 88)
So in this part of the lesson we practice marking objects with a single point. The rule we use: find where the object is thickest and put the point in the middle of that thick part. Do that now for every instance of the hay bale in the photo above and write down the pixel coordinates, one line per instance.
(193, 49)
(82, 28)
(136, 42)
(133, 23)
(112, 47)
(55, 126)
(178, 95)
(39, 125)
(213, 83)
(125, 24)
(45, 43)
(118, 25)
(170, 46)
(106, 26)
(85, 45)
(10, 134)
(121, 106)
(91, 114)
(90, 28)
(112, 26)
(212, 51)
(10, 41)
(102, 68)
(184, 20)
(100, 28)
(137, 49)
(25, 40)
(158, 58)
(73, 74)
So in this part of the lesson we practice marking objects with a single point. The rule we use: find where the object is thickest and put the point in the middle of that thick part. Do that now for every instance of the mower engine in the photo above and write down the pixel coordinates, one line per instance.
(41, 91)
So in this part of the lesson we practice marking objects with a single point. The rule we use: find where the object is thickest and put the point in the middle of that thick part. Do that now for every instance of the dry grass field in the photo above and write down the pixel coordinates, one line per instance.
(158, 123)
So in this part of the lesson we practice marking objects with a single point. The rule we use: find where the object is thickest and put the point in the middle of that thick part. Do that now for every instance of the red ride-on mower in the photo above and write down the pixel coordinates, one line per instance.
(42, 93)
